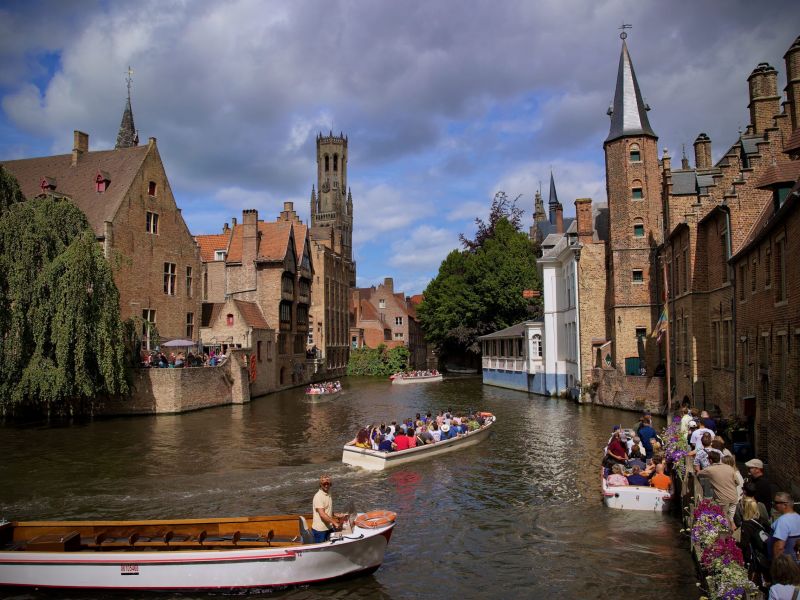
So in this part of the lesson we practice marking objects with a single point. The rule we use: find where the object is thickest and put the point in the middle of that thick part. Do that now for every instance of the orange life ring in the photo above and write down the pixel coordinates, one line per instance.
(252, 368)
(375, 519)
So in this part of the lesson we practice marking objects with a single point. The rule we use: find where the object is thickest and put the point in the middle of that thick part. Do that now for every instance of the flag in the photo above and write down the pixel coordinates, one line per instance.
(661, 326)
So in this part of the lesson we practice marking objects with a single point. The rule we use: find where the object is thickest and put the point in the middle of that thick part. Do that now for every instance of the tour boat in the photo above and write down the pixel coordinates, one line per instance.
(376, 461)
(238, 553)
(401, 379)
(634, 497)
(318, 392)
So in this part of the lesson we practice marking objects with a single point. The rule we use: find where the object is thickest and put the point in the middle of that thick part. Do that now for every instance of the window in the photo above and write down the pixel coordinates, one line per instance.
(287, 284)
(229, 320)
(780, 195)
(152, 223)
(685, 339)
(335, 163)
(398, 320)
(169, 279)
(151, 188)
(148, 324)
(101, 183)
(302, 314)
(381, 303)
(219, 254)
(685, 270)
(387, 335)
(723, 240)
(327, 163)
(637, 192)
(258, 350)
(742, 279)
(638, 230)
(286, 312)
(398, 335)
(715, 344)
(753, 276)
(725, 344)
(781, 365)
(641, 333)
(270, 350)
(638, 276)
(537, 346)
(780, 270)
(768, 268)
(636, 155)
(189, 280)
(189, 325)
(304, 287)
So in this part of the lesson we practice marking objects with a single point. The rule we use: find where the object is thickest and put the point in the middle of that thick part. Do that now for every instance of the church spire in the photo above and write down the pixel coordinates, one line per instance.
(553, 203)
(629, 111)
(127, 136)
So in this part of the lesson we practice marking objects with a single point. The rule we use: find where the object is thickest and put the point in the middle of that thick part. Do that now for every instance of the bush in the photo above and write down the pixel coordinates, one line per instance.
(378, 362)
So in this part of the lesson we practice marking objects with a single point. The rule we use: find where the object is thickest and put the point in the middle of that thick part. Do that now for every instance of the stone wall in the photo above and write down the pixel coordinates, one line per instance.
(629, 392)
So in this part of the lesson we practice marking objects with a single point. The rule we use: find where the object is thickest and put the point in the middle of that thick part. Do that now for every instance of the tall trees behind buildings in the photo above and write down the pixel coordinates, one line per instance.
(479, 289)
(61, 339)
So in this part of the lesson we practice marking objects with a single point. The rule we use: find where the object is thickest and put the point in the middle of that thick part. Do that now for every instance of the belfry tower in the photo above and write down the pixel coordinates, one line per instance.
(332, 202)
(633, 185)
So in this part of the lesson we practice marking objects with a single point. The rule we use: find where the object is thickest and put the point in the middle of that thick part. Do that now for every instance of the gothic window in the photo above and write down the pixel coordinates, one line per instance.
(189, 281)
(335, 162)
(715, 344)
(637, 192)
(537, 346)
(286, 312)
(151, 225)
(327, 163)
(151, 188)
(685, 269)
(636, 155)
(302, 314)
(148, 323)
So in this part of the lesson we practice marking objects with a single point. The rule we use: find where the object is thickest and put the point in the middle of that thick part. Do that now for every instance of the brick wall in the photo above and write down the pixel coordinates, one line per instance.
(591, 295)
(628, 392)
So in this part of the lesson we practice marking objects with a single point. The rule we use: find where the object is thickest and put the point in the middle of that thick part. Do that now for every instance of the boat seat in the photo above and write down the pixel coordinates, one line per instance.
(161, 539)
(305, 533)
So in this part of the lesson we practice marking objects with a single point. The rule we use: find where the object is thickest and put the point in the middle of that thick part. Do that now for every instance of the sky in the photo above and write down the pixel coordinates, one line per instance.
(444, 102)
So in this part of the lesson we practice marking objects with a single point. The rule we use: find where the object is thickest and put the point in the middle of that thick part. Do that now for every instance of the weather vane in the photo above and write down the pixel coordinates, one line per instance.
(128, 79)
(624, 26)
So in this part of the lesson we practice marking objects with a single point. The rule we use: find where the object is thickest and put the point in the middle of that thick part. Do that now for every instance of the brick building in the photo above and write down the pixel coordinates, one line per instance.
(126, 197)
(379, 315)
(331, 237)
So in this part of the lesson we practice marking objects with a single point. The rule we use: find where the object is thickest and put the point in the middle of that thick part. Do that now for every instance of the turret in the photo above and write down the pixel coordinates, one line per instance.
(764, 98)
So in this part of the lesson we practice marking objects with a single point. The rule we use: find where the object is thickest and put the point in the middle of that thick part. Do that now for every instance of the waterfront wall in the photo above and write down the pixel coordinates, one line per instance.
(629, 392)
(524, 382)
(164, 391)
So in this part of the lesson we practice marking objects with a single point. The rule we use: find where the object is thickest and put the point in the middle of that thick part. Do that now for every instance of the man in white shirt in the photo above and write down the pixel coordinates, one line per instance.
(324, 521)
(697, 435)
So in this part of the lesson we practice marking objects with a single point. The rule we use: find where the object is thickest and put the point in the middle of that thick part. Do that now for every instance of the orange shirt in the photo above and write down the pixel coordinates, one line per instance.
(661, 481)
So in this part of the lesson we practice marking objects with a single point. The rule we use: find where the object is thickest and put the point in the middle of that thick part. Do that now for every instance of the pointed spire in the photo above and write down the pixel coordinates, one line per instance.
(127, 136)
(538, 212)
(629, 112)
(553, 203)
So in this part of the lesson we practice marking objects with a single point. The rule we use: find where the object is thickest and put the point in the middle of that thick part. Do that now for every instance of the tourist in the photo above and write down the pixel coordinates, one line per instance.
(362, 440)
(324, 521)
(401, 441)
(660, 480)
(686, 416)
(764, 488)
(697, 434)
(435, 431)
(636, 450)
(753, 524)
(384, 444)
(426, 436)
(445, 429)
(617, 477)
(722, 483)
(615, 452)
(786, 528)
(636, 478)
(785, 579)
(701, 454)
(718, 444)
(707, 421)
(728, 459)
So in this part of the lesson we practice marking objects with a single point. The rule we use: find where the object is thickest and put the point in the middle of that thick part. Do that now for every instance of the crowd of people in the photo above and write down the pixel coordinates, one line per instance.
(763, 520)
(419, 431)
(157, 359)
(406, 374)
(328, 387)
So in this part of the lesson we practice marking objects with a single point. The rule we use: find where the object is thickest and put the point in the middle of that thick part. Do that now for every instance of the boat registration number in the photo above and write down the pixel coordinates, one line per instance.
(129, 569)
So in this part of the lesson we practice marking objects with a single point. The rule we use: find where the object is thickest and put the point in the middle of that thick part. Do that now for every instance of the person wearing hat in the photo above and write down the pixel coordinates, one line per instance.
(764, 489)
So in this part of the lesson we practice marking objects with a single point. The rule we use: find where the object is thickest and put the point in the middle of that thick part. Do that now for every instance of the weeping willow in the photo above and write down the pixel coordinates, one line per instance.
(61, 341)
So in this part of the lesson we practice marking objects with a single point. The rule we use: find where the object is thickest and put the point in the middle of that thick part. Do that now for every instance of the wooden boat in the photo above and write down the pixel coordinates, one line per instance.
(190, 554)
(376, 461)
(402, 380)
(634, 497)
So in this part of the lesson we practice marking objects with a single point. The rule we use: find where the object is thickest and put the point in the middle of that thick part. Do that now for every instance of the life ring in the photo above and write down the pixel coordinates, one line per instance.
(485, 414)
(252, 368)
(375, 519)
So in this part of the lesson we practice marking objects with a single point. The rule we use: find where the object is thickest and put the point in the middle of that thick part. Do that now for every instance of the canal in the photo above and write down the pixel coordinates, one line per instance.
(517, 516)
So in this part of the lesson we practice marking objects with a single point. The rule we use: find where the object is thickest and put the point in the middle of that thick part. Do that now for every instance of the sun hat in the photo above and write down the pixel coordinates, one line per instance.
(445, 428)
(755, 463)
(692, 423)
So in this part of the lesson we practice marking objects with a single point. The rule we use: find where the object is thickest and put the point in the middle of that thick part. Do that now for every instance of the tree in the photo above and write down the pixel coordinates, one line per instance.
(478, 290)
(9, 190)
(61, 341)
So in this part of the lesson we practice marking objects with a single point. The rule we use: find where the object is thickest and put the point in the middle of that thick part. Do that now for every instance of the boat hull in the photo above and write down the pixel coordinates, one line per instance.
(410, 380)
(635, 497)
(359, 552)
(377, 461)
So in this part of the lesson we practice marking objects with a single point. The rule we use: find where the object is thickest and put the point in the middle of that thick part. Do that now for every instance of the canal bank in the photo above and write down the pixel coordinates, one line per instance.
(518, 515)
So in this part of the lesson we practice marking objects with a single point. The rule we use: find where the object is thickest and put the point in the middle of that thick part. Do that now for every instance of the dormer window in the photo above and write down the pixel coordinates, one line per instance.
(102, 181)
(48, 184)
(151, 188)
(219, 254)
(229, 320)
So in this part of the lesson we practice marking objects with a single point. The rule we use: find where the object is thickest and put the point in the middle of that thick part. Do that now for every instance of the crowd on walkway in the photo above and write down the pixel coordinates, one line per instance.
(419, 431)
(157, 359)
(762, 519)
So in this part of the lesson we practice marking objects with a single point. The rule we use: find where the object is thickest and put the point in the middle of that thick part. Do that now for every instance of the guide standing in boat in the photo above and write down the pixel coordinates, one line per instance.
(324, 521)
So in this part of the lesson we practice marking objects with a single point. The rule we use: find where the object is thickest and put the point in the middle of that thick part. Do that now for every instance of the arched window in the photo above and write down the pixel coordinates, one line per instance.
(638, 228)
(636, 154)
(537, 346)
(229, 320)
(335, 162)
(327, 163)
(637, 192)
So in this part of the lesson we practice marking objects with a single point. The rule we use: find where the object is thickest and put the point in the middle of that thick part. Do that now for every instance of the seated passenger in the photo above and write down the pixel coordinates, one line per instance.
(426, 436)
(362, 440)
(636, 478)
(385, 444)
(617, 478)
(445, 429)
(401, 441)
(660, 480)
(436, 432)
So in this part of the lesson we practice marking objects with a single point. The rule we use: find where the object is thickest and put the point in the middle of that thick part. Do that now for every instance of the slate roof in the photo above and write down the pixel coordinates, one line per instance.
(127, 137)
(629, 112)
(300, 233)
(514, 330)
(78, 182)
(209, 244)
(684, 183)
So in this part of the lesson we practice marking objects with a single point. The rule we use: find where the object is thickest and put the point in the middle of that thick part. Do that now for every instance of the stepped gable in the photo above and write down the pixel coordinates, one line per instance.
(79, 181)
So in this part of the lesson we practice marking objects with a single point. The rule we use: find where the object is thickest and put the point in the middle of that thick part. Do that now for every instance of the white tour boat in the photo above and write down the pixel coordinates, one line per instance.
(634, 497)
(406, 379)
(376, 461)
(192, 554)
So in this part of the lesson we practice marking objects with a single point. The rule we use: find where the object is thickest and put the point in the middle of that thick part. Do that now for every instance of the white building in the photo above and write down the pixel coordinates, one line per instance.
(513, 357)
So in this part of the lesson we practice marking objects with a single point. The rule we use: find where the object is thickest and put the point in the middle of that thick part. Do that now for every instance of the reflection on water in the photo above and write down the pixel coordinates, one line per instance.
(518, 515)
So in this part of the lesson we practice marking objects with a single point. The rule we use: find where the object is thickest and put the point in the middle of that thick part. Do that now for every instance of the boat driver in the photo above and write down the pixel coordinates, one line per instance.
(324, 521)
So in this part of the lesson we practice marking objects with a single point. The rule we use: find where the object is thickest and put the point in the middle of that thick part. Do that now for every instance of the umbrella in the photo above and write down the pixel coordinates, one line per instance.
(178, 344)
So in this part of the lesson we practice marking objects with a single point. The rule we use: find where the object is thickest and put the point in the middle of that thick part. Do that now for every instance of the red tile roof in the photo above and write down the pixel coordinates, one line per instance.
(251, 314)
(793, 143)
(273, 243)
(768, 220)
(120, 166)
(786, 171)
(209, 244)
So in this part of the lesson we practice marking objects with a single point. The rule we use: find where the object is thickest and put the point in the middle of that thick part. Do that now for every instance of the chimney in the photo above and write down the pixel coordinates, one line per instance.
(233, 221)
(666, 161)
(249, 236)
(792, 58)
(559, 218)
(80, 145)
(702, 152)
(151, 142)
(765, 102)
(583, 215)
(288, 214)
(388, 283)
(225, 228)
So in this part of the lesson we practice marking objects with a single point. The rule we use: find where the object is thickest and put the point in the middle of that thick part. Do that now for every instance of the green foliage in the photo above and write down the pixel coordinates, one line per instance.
(9, 190)
(479, 290)
(61, 340)
(378, 362)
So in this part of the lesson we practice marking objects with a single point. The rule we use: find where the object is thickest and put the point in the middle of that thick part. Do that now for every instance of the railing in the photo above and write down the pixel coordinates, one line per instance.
(518, 365)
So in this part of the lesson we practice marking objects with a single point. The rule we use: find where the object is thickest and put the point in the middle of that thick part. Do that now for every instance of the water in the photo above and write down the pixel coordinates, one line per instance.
(516, 516)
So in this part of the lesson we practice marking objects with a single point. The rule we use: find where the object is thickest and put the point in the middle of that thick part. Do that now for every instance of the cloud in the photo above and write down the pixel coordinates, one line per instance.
(382, 209)
(424, 249)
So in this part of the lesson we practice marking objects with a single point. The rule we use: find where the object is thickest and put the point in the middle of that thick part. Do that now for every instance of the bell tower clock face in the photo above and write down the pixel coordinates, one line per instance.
(325, 187)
